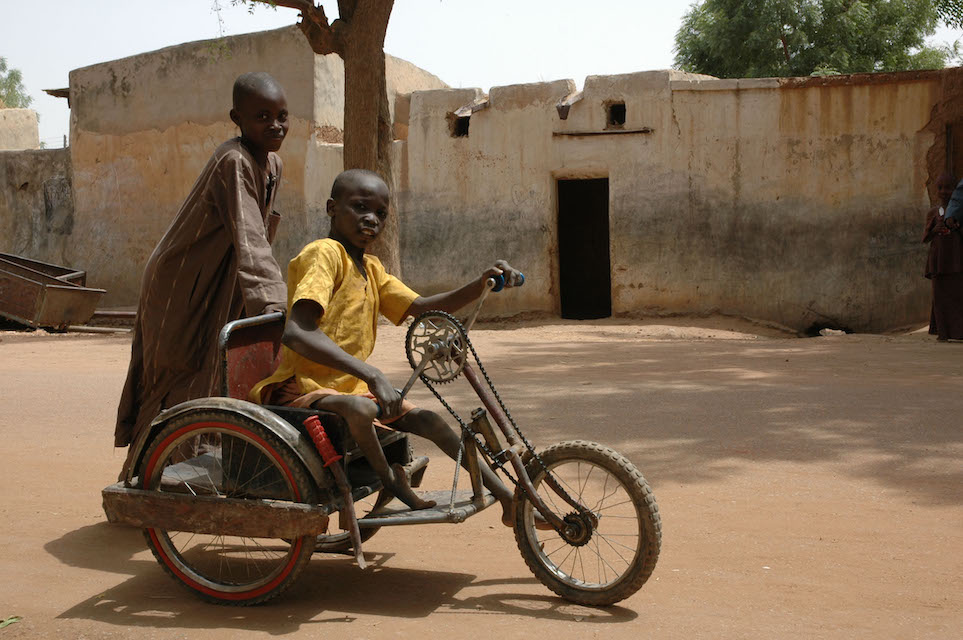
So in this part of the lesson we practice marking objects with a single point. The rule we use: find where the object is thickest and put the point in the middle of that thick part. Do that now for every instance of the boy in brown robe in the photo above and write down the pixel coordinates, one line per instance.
(944, 264)
(213, 265)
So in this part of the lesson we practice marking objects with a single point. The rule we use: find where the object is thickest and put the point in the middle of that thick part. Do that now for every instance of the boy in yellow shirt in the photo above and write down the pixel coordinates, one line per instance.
(335, 293)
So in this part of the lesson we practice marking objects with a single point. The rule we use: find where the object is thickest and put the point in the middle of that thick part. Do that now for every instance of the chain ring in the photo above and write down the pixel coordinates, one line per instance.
(441, 332)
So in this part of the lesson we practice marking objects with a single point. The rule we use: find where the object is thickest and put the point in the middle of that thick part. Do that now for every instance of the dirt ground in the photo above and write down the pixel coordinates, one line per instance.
(809, 488)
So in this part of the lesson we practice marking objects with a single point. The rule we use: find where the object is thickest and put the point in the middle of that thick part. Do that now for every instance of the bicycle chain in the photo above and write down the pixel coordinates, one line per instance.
(467, 431)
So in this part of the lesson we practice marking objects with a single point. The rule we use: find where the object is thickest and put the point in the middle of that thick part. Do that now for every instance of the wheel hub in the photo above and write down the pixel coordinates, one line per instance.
(578, 528)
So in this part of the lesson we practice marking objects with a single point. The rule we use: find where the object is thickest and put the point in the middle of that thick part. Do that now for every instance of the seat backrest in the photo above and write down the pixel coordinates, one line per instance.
(250, 351)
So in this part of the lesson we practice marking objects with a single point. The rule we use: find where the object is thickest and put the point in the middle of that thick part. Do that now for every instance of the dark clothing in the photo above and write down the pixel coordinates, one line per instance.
(214, 264)
(944, 266)
(946, 314)
(954, 208)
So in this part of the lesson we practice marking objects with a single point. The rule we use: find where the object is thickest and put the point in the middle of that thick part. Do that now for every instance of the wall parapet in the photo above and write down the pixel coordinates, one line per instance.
(733, 84)
(19, 129)
(519, 96)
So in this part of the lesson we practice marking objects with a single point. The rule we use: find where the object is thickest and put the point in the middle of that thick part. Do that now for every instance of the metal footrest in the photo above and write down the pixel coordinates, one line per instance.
(396, 512)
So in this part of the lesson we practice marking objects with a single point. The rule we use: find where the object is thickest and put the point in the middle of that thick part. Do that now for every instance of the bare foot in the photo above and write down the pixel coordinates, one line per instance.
(402, 490)
(508, 518)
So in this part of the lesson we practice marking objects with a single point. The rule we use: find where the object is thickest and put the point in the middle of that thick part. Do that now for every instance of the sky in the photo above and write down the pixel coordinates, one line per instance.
(467, 43)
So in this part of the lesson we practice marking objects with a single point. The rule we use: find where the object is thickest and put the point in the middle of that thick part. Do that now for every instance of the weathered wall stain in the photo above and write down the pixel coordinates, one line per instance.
(36, 207)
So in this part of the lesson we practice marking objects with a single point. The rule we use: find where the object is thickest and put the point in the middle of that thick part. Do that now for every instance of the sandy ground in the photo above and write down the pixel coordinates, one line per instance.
(809, 488)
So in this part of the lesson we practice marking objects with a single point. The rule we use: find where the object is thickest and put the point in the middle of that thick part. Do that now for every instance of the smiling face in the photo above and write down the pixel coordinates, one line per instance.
(262, 116)
(358, 208)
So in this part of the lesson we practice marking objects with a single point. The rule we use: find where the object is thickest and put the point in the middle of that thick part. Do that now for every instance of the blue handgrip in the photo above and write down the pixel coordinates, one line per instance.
(500, 281)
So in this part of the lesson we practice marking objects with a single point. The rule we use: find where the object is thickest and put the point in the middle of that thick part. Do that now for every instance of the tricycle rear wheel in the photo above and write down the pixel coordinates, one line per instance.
(220, 454)
(621, 531)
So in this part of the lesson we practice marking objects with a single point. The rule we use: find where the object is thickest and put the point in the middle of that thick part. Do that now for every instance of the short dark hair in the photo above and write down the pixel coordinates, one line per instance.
(260, 82)
(348, 178)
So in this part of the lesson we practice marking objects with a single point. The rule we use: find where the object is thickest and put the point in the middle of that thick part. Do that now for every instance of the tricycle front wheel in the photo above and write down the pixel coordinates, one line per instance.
(222, 455)
(621, 528)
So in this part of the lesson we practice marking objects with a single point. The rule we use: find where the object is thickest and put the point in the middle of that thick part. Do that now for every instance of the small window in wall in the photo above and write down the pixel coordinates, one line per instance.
(615, 115)
(459, 126)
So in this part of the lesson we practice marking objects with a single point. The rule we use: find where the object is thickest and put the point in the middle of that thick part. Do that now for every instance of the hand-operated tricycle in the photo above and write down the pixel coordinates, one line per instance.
(235, 497)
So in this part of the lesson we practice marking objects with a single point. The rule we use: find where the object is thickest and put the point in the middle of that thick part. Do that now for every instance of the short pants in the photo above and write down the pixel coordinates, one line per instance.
(287, 394)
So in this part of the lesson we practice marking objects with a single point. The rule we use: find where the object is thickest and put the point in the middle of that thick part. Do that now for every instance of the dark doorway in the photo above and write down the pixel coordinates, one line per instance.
(585, 284)
(954, 150)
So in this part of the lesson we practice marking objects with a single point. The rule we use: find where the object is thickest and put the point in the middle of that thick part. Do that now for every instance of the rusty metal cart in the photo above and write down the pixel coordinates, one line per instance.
(38, 294)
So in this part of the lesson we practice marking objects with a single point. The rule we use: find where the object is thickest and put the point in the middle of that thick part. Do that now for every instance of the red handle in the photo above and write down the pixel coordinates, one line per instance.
(321, 440)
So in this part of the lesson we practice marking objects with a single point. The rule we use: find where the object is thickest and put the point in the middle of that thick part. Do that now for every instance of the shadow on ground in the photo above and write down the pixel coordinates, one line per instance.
(331, 589)
(700, 410)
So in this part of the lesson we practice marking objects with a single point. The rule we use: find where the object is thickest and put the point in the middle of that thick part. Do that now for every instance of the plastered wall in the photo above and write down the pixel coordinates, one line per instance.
(794, 202)
(143, 127)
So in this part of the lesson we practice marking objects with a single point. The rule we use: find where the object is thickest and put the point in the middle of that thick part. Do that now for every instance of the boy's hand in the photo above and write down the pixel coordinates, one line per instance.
(388, 397)
(513, 277)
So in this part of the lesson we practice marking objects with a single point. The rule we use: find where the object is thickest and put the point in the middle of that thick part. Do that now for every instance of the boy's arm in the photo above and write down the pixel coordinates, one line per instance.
(302, 335)
(258, 275)
(457, 298)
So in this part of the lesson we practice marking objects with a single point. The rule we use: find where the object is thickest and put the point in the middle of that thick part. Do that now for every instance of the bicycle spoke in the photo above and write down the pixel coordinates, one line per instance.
(224, 469)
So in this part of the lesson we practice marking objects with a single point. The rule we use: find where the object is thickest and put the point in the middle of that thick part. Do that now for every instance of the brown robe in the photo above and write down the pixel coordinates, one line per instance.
(214, 264)
(944, 266)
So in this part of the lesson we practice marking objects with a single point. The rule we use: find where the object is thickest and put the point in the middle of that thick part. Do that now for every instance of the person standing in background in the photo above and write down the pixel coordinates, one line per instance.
(944, 263)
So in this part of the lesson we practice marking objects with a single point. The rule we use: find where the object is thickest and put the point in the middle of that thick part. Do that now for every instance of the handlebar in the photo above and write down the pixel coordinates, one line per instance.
(494, 283)
(500, 281)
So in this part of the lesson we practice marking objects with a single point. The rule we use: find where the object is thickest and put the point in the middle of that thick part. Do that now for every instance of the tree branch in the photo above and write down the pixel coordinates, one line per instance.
(323, 37)
(785, 47)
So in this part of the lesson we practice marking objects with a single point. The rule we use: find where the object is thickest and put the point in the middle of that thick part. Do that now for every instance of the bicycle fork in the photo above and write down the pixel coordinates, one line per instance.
(514, 449)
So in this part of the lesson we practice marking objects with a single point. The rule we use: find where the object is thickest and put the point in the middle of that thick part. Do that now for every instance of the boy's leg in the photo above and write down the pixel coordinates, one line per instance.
(360, 413)
(432, 426)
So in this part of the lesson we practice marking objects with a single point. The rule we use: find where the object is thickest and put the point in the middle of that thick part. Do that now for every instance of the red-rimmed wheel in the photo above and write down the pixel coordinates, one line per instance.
(219, 454)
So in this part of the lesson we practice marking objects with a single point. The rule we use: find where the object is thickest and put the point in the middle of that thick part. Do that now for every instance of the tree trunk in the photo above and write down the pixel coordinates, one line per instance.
(368, 133)
(358, 36)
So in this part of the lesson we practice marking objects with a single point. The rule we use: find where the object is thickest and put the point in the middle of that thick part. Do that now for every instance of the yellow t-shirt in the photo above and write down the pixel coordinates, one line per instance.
(323, 272)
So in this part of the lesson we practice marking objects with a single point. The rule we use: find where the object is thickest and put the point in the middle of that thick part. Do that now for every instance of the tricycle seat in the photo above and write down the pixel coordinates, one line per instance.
(251, 351)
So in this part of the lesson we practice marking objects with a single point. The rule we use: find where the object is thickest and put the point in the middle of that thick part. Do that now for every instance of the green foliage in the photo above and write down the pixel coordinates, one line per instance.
(771, 38)
(950, 12)
(12, 93)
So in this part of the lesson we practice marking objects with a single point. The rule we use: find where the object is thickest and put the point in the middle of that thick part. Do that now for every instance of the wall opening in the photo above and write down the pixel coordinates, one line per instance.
(459, 126)
(954, 149)
(615, 116)
(585, 280)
